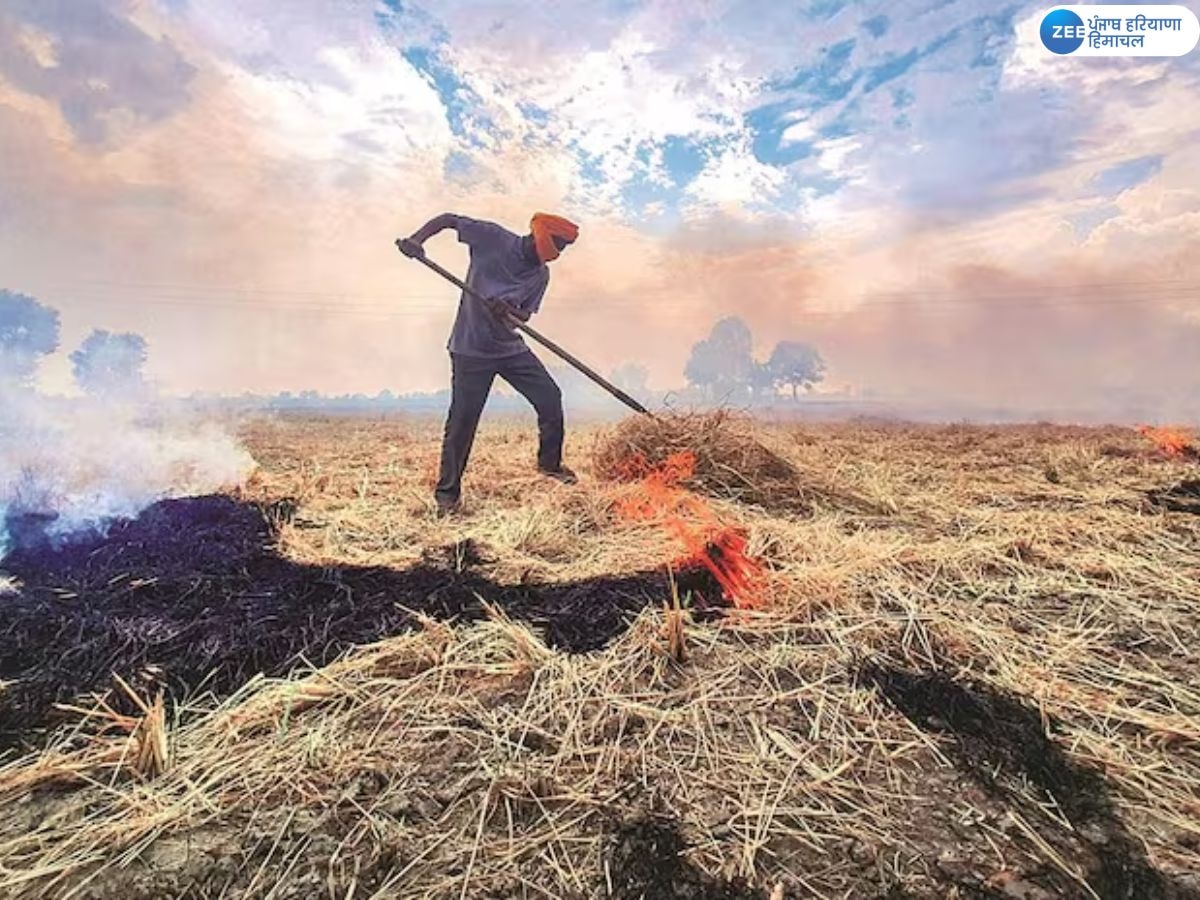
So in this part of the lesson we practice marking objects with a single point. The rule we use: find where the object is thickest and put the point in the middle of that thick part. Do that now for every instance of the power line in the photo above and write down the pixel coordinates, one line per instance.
(334, 294)
(578, 306)
(179, 295)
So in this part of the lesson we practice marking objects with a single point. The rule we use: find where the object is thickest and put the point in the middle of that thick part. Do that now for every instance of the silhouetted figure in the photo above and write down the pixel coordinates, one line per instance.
(511, 271)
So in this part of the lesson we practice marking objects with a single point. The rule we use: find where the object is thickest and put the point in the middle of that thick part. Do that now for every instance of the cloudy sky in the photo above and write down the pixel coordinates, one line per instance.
(914, 186)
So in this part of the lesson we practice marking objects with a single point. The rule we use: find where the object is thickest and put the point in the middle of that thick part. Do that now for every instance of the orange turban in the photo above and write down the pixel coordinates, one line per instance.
(545, 228)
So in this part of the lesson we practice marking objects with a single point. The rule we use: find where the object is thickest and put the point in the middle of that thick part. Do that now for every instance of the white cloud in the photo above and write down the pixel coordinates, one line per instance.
(834, 156)
(731, 181)
(379, 110)
(39, 45)
(612, 104)
(799, 132)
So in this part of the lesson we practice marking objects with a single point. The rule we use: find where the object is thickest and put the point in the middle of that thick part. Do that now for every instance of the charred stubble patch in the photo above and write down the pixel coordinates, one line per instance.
(1183, 497)
(997, 740)
(645, 859)
(995, 735)
(193, 594)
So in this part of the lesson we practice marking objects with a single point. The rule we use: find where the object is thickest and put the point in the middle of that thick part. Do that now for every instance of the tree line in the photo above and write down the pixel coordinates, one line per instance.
(720, 369)
(722, 366)
(104, 363)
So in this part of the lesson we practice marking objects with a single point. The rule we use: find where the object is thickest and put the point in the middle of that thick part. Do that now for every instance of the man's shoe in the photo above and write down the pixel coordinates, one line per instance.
(447, 508)
(562, 473)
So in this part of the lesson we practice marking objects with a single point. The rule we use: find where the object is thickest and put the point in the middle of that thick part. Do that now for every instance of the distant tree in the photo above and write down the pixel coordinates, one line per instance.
(28, 331)
(762, 380)
(722, 363)
(109, 364)
(631, 377)
(795, 364)
(702, 366)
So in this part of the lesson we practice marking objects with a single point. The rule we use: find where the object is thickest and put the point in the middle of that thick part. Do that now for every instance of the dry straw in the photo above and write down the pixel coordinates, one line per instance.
(475, 761)
(731, 462)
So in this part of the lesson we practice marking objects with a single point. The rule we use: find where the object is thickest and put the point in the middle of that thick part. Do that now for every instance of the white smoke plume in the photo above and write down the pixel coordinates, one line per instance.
(76, 465)
(71, 465)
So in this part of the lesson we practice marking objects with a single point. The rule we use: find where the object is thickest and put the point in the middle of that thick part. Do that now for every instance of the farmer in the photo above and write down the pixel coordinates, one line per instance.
(511, 271)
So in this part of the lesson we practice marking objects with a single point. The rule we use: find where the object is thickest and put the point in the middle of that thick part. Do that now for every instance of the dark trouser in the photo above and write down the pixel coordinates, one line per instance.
(470, 381)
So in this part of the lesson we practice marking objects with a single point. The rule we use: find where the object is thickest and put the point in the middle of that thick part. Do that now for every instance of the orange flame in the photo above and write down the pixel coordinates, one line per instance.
(1171, 440)
(741, 576)
(657, 495)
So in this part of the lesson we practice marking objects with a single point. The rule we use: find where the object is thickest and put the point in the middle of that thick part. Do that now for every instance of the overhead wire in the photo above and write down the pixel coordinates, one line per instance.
(401, 304)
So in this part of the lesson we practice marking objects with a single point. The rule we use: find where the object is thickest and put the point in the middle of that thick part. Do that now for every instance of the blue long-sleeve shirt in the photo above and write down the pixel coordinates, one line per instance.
(500, 269)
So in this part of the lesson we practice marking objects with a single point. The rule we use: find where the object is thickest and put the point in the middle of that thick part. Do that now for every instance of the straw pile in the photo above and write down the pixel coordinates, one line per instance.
(731, 463)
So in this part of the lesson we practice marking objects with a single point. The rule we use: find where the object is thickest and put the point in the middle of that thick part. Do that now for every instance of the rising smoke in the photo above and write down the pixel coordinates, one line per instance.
(1070, 340)
(1089, 347)
(74, 465)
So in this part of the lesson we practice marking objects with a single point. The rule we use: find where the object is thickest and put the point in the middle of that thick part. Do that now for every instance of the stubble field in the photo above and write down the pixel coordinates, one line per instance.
(968, 669)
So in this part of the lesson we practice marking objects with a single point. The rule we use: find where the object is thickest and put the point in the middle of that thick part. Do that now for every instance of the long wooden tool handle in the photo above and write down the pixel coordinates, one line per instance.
(545, 342)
